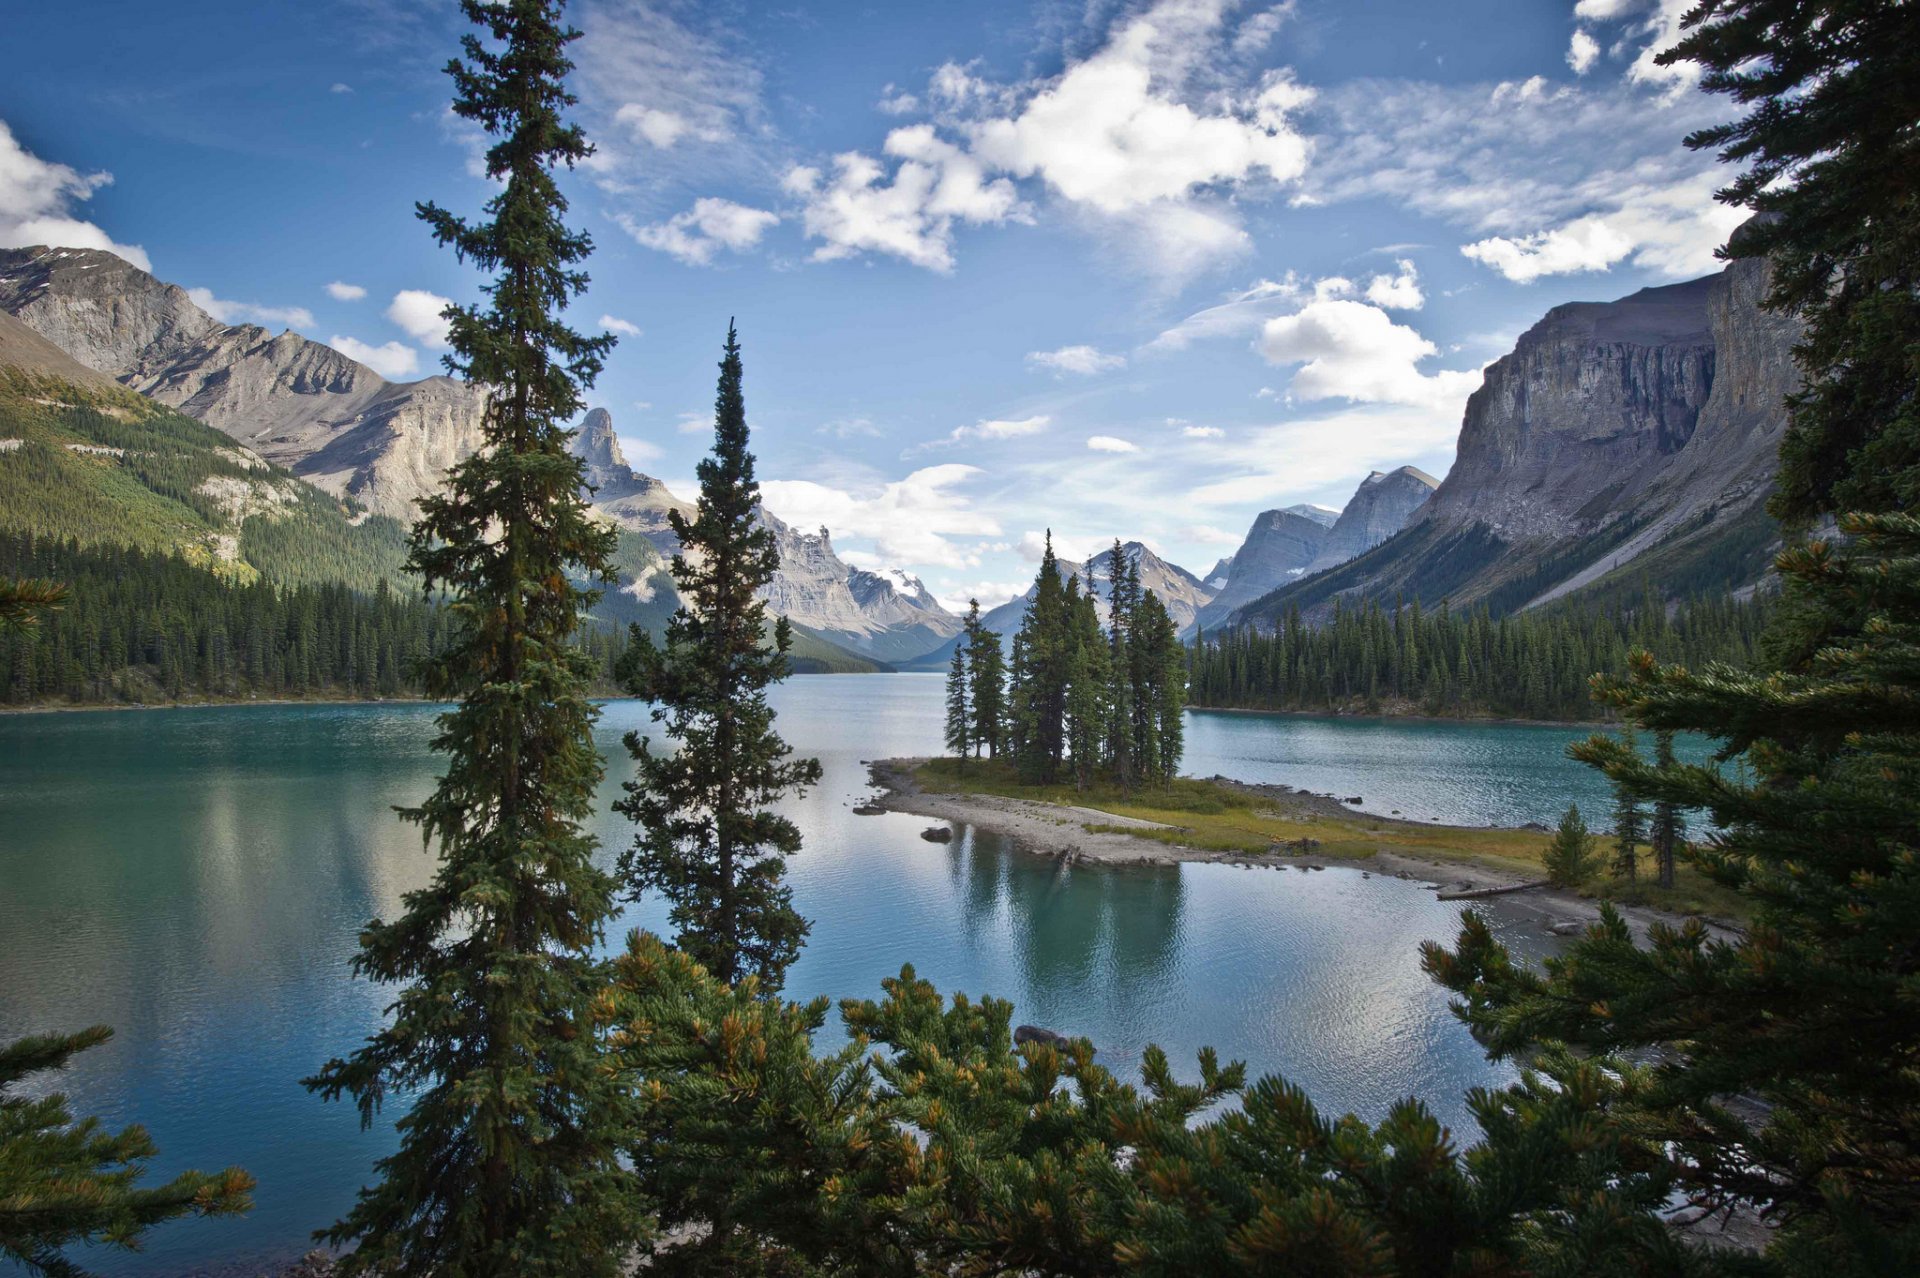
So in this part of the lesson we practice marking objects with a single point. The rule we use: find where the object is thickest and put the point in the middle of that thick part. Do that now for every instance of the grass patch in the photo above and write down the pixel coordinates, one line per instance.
(1217, 818)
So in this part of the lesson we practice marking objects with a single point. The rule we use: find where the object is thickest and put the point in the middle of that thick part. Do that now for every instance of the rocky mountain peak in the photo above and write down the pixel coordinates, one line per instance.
(596, 443)
(1381, 506)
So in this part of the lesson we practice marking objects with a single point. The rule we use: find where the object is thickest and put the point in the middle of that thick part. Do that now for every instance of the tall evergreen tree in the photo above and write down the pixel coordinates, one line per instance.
(987, 678)
(69, 1183)
(1120, 708)
(1811, 1011)
(709, 841)
(507, 1161)
(1668, 826)
(1166, 667)
(1087, 682)
(1039, 695)
(959, 714)
(1629, 821)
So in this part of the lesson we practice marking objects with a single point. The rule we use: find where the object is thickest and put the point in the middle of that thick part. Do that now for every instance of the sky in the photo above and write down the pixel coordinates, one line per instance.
(1110, 269)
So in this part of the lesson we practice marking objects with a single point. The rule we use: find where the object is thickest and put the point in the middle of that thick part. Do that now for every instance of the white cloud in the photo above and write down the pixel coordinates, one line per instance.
(1202, 432)
(1397, 292)
(1350, 350)
(228, 312)
(1582, 52)
(338, 87)
(1245, 311)
(1588, 244)
(896, 101)
(614, 324)
(1146, 137)
(1084, 360)
(340, 291)
(1033, 544)
(417, 312)
(910, 213)
(665, 129)
(1597, 163)
(911, 520)
(1295, 459)
(1111, 444)
(37, 199)
(1663, 29)
(998, 429)
(391, 360)
(1603, 10)
(712, 224)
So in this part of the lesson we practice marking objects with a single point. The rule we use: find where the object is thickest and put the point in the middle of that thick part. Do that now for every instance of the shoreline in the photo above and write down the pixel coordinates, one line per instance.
(1060, 832)
(1598, 725)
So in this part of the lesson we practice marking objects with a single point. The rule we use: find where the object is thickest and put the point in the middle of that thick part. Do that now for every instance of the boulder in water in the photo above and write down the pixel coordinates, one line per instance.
(1024, 1034)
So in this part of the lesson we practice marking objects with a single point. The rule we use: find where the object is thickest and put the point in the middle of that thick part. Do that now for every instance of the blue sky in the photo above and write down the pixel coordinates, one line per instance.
(1115, 269)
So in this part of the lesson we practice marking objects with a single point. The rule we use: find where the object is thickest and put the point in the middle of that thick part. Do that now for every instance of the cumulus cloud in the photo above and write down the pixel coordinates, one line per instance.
(909, 213)
(228, 312)
(911, 520)
(418, 313)
(391, 360)
(698, 234)
(1672, 228)
(37, 201)
(1144, 137)
(341, 291)
(1084, 360)
(1202, 432)
(1353, 351)
(1582, 52)
(1013, 428)
(664, 129)
(1397, 292)
(897, 101)
(1588, 244)
(614, 324)
(1111, 444)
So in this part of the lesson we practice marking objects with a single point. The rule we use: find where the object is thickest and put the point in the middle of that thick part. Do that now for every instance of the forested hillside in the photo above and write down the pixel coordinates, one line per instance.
(1530, 665)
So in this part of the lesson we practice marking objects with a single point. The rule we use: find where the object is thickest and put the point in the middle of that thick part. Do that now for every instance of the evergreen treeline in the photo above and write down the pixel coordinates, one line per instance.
(1104, 703)
(1531, 665)
(141, 626)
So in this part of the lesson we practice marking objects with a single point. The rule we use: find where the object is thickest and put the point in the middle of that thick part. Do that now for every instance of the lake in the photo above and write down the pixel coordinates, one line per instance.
(196, 879)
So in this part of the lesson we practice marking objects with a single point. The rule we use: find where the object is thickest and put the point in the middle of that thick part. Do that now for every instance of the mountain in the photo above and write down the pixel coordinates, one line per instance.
(301, 405)
(1318, 514)
(1618, 440)
(343, 428)
(888, 617)
(1180, 591)
(1278, 547)
(1379, 508)
(85, 459)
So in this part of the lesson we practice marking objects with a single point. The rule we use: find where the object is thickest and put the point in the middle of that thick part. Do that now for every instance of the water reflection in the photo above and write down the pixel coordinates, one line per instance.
(197, 879)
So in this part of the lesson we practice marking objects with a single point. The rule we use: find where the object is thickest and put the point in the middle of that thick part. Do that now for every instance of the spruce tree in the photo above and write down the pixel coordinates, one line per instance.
(1120, 722)
(1668, 826)
(23, 599)
(507, 1159)
(1629, 822)
(709, 839)
(959, 713)
(1571, 860)
(986, 686)
(1038, 696)
(1811, 1010)
(67, 1182)
(1086, 686)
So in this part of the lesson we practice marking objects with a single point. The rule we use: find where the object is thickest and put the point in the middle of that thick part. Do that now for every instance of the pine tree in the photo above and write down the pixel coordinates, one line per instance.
(1629, 822)
(507, 1161)
(959, 713)
(1571, 860)
(1165, 686)
(1810, 1010)
(1668, 826)
(67, 1183)
(1087, 681)
(1120, 708)
(22, 600)
(709, 841)
(987, 675)
(1038, 696)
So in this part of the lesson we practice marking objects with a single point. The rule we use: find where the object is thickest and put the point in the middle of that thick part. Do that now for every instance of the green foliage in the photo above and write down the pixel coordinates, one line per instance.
(1629, 820)
(1831, 90)
(24, 599)
(1531, 665)
(986, 682)
(104, 467)
(507, 1161)
(67, 1182)
(709, 841)
(1110, 703)
(959, 727)
(949, 1149)
(1572, 859)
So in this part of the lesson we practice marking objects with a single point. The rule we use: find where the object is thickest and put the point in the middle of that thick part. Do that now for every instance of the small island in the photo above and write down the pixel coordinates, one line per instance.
(1221, 820)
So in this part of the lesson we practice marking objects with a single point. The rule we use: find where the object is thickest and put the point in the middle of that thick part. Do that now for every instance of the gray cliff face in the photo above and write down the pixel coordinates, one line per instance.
(1381, 506)
(1618, 437)
(1279, 547)
(1593, 402)
(303, 405)
(887, 616)
(637, 502)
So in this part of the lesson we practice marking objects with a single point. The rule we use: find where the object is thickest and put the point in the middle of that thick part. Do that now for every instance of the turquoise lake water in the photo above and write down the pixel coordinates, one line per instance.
(196, 879)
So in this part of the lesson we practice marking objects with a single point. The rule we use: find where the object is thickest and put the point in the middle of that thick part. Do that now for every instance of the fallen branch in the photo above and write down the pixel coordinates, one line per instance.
(1477, 893)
